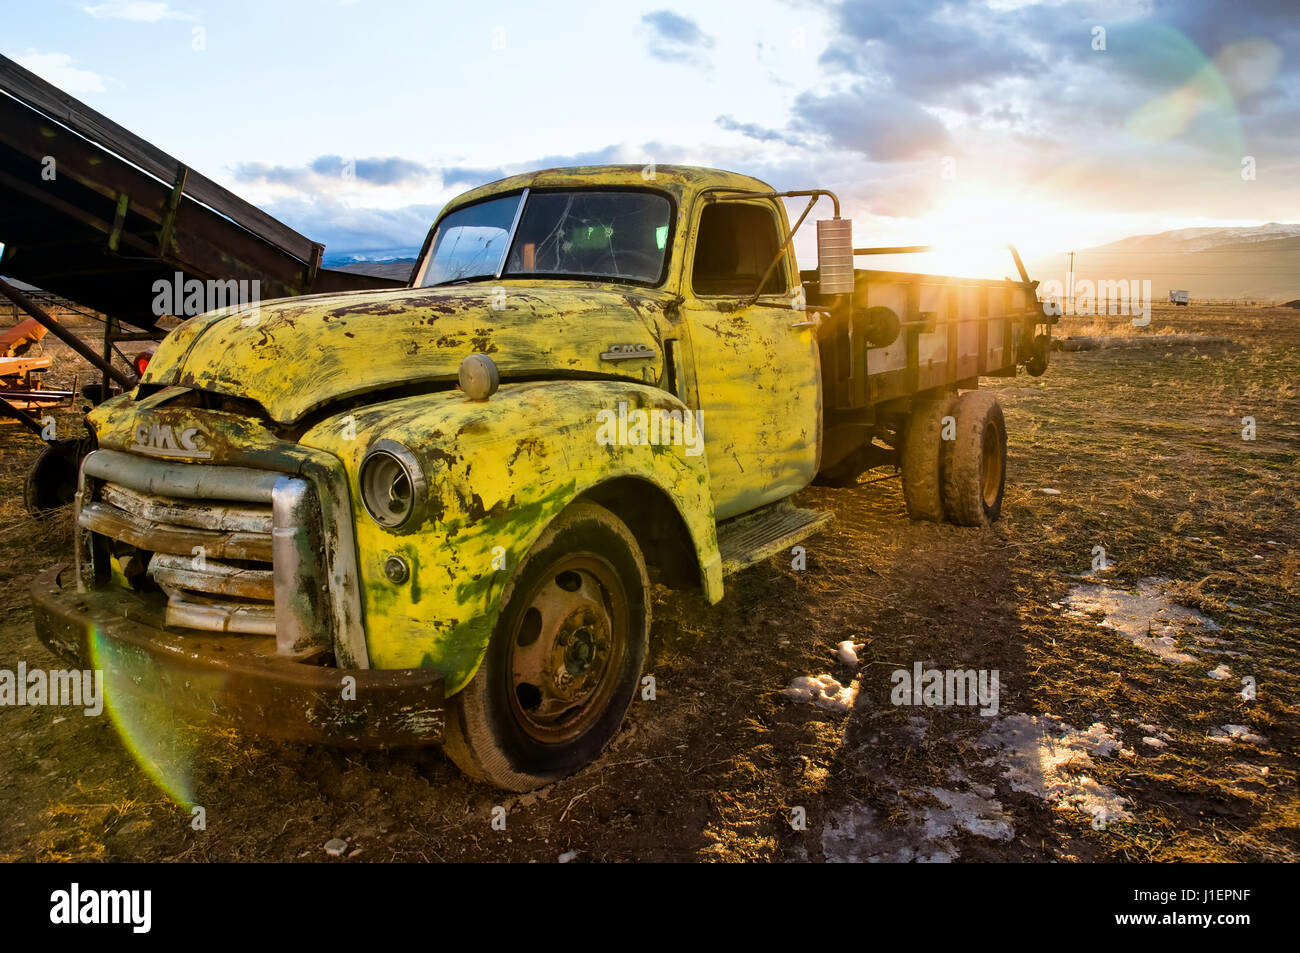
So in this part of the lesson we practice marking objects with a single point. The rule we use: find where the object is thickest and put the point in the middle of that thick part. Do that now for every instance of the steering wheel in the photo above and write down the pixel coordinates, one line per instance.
(652, 263)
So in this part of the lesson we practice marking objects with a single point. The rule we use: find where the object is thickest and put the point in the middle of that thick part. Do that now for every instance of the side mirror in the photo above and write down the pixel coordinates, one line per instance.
(835, 256)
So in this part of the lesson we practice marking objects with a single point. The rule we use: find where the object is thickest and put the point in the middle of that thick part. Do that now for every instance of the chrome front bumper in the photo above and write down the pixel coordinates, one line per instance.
(232, 679)
(235, 549)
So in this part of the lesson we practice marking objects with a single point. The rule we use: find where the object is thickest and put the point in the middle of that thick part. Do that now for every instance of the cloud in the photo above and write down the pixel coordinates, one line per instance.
(934, 46)
(317, 211)
(327, 170)
(676, 39)
(1021, 93)
(602, 156)
(295, 176)
(756, 132)
(469, 175)
(387, 171)
(57, 68)
(879, 126)
(329, 174)
(361, 232)
(139, 11)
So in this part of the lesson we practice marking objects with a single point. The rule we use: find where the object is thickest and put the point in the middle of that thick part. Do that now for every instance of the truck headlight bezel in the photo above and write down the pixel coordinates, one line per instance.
(392, 485)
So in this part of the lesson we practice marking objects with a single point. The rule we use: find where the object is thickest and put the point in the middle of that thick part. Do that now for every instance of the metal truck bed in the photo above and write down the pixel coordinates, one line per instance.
(907, 333)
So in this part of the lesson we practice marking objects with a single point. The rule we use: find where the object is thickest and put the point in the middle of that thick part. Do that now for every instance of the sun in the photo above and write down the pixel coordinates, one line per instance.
(968, 231)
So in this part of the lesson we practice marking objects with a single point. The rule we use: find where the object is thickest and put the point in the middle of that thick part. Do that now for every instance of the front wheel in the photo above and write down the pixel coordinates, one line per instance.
(565, 657)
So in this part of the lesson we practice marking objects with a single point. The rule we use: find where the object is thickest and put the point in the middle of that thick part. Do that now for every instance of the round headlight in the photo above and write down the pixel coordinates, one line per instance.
(393, 487)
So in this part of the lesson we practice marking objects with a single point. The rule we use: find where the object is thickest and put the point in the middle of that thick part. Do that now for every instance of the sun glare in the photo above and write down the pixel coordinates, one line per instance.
(968, 233)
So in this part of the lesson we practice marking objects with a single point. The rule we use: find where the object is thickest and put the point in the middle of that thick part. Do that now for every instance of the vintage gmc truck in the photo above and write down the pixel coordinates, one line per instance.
(432, 514)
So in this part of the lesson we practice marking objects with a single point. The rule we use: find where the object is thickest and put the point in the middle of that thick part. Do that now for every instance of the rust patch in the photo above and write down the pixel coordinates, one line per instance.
(482, 341)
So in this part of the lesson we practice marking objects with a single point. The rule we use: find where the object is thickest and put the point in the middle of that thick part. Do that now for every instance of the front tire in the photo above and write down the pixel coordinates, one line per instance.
(565, 657)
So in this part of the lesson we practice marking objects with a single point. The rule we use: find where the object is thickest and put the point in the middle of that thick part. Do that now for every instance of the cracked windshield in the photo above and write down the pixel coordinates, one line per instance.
(620, 235)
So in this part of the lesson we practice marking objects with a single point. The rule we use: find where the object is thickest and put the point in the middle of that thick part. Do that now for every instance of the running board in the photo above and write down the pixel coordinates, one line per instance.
(754, 537)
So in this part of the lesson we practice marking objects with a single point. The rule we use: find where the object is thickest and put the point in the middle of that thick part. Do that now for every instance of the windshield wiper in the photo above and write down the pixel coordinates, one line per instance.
(460, 281)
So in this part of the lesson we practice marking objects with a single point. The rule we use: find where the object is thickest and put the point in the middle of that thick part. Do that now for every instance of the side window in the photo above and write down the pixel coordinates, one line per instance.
(736, 242)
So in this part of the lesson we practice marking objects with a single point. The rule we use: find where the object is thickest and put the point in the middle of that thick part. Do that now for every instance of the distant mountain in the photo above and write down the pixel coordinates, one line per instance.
(399, 268)
(1261, 262)
(1201, 239)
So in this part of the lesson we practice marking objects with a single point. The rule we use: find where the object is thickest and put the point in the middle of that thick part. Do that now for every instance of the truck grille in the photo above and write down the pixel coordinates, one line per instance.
(212, 557)
(209, 538)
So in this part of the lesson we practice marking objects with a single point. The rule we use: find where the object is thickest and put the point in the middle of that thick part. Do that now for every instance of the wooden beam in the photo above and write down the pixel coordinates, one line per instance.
(119, 219)
(169, 219)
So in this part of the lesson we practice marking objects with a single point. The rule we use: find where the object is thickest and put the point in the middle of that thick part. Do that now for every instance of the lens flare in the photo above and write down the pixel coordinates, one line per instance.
(148, 730)
(1204, 105)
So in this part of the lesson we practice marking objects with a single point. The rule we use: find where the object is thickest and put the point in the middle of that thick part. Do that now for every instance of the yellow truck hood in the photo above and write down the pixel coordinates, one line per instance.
(295, 355)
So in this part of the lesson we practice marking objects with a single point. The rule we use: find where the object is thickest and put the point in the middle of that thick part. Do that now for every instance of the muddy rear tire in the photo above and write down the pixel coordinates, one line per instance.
(975, 464)
(922, 460)
(565, 658)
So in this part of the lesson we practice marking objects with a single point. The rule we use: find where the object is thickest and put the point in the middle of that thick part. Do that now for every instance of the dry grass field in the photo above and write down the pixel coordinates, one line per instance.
(1124, 731)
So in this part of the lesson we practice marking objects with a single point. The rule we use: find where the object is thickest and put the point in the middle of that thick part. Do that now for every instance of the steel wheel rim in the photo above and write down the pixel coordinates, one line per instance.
(991, 463)
(567, 648)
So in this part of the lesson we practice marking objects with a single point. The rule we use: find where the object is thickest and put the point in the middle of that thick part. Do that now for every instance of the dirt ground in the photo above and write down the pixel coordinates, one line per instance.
(1128, 736)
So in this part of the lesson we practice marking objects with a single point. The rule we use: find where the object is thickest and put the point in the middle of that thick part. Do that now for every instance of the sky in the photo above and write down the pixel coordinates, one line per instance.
(1053, 125)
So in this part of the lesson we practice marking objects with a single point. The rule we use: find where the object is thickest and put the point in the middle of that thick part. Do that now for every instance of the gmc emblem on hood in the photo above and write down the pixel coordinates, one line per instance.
(164, 440)
(627, 352)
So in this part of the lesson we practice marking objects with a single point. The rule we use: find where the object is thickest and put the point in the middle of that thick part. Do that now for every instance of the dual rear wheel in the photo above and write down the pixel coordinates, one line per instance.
(954, 459)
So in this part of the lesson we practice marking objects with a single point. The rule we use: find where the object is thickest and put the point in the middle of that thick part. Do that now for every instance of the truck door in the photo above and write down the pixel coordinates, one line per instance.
(756, 366)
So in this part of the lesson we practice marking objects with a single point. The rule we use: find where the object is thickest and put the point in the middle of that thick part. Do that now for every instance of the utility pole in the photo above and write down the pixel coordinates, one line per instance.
(1069, 280)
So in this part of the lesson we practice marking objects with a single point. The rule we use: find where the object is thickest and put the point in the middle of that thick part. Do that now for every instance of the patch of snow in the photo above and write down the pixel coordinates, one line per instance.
(971, 811)
(824, 691)
(1147, 618)
(1154, 742)
(1219, 673)
(1049, 491)
(847, 652)
(1043, 756)
(567, 856)
(1154, 730)
(857, 833)
(1229, 734)
(1205, 237)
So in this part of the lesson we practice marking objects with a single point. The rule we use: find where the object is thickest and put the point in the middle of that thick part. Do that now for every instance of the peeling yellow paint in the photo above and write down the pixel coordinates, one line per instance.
(325, 377)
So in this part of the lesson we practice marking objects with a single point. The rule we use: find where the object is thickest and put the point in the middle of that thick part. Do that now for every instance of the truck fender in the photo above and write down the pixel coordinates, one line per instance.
(498, 471)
